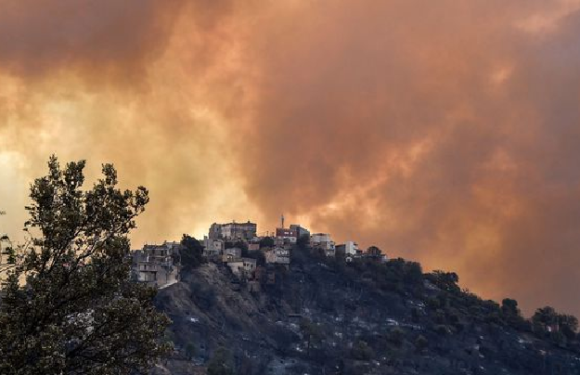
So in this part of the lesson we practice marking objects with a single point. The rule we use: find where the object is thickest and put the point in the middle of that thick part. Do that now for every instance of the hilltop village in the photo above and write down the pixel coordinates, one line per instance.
(239, 246)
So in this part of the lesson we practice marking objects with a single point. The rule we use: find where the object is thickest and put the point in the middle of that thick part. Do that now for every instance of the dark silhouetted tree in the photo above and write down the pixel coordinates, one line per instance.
(221, 363)
(69, 306)
(266, 242)
(191, 253)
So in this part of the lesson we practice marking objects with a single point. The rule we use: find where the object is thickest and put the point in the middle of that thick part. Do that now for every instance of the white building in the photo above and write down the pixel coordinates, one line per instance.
(212, 247)
(243, 266)
(278, 255)
(351, 248)
(322, 241)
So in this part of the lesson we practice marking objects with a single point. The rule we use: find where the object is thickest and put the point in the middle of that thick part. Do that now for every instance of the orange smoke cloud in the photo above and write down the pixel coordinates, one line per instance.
(446, 133)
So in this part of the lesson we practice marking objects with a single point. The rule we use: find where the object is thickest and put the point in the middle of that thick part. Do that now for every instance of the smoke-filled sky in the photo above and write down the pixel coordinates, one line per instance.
(446, 132)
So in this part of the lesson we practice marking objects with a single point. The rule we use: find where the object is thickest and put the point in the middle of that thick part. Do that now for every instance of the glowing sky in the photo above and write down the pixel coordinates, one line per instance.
(446, 132)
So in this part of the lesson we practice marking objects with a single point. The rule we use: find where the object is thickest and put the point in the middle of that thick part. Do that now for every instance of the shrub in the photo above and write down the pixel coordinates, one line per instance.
(442, 330)
(362, 351)
(421, 343)
(397, 336)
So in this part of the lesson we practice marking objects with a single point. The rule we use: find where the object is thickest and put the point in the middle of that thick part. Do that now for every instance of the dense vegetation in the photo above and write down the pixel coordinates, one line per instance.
(68, 305)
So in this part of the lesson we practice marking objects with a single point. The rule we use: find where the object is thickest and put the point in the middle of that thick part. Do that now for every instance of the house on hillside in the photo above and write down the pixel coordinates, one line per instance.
(300, 231)
(213, 248)
(324, 242)
(232, 254)
(233, 231)
(154, 264)
(287, 235)
(243, 267)
(349, 248)
(278, 255)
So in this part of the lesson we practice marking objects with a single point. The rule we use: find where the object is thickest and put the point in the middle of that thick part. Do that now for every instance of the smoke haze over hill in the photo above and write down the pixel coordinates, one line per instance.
(446, 133)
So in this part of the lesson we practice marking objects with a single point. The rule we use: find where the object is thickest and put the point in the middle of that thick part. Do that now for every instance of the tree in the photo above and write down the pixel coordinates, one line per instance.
(568, 325)
(221, 363)
(374, 251)
(421, 343)
(303, 242)
(266, 242)
(6, 252)
(511, 313)
(311, 332)
(362, 351)
(446, 281)
(191, 253)
(69, 305)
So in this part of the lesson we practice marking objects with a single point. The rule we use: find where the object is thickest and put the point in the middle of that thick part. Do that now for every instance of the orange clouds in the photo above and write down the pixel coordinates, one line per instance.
(444, 132)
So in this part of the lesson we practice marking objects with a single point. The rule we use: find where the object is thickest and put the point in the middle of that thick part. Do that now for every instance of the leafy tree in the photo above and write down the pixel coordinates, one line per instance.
(397, 336)
(311, 332)
(446, 281)
(266, 242)
(568, 325)
(6, 253)
(421, 343)
(374, 251)
(259, 256)
(191, 253)
(69, 306)
(190, 350)
(242, 245)
(303, 242)
(511, 313)
(221, 363)
(362, 351)
(544, 319)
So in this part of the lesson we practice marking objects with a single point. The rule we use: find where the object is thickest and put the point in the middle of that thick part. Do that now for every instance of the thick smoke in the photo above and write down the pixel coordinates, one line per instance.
(446, 132)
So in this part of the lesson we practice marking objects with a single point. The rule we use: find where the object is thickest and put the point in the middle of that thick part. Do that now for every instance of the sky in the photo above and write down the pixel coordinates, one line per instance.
(445, 132)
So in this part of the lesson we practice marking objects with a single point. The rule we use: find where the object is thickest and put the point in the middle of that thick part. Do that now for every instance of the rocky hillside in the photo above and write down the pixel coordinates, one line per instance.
(328, 317)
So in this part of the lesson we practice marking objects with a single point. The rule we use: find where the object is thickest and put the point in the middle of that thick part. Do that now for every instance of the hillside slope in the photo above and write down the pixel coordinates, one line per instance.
(328, 317)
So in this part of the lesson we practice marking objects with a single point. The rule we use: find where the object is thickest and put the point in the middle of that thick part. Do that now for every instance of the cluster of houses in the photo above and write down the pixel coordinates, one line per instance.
(231, 243)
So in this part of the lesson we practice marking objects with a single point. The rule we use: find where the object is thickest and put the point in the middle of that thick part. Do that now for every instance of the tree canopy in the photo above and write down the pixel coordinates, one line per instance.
(69, 305)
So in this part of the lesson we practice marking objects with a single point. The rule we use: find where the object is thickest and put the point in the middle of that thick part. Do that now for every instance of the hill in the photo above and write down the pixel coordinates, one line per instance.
(326, 316)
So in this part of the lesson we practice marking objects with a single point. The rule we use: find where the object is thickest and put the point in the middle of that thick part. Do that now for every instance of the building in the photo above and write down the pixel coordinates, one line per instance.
(243, 267)
(154, 265)
(288, 235)
(232, 254)
(233, 231)
(322, 241)
(278, 255)
(213, 248)
(300, 231)
(351, 248)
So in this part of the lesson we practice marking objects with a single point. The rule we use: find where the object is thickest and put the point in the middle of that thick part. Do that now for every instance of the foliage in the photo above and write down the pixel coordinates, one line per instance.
(559, 328)
(511, 313)
(374, 251)
(362, 351)
(78, 313)
(266, 242)
(311, 332)
(191, 253)
(303, 242)
(447, 281)
(421, 343)
(221, 363)
(259, 256)
(397, 336)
